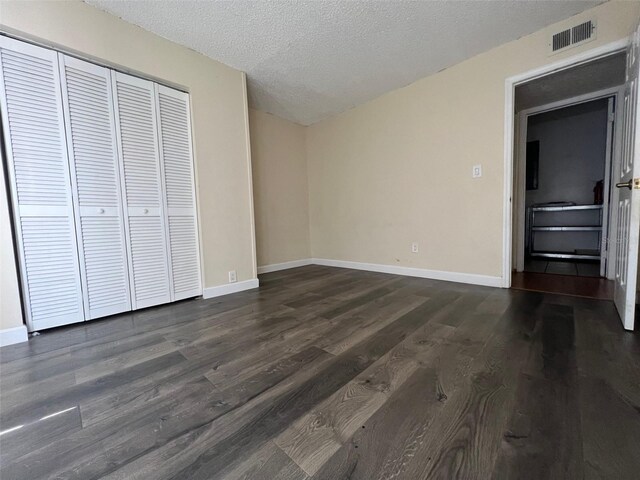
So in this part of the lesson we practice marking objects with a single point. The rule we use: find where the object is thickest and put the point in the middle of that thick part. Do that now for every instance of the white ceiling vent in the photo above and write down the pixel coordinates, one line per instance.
(571, 37)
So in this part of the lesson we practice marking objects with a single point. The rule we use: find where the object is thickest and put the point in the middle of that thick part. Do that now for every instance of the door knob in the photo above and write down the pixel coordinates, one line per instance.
(101, 210)
(628, 184)
(146, 210)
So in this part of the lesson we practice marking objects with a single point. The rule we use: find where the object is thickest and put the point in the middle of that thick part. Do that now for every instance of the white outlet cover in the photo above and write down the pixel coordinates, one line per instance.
(232, 276)
(414, 247)
(477, 171)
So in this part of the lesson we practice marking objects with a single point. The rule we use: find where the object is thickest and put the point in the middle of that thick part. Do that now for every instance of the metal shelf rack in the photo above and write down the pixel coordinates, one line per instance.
(532, 228)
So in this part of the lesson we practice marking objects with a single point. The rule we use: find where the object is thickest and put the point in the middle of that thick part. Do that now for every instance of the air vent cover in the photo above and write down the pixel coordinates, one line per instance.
(561, 40)
(577, 35)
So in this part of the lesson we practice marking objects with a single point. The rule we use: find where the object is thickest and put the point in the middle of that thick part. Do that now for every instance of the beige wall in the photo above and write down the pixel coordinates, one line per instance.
(10, 305)
(398, 168)
(280, 189)
(220, 123)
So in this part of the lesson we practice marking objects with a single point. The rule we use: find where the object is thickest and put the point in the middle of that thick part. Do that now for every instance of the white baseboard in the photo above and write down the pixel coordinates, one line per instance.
(212, 292)
(274, 267)
(9, 336)
(471, 278)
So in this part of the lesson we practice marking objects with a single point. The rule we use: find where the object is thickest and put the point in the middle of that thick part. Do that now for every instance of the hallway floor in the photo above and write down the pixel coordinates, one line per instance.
(562, 267)
(590, 287)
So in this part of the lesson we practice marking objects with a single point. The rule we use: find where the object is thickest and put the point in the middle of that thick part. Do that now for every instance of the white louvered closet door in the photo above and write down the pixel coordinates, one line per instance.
(179, 187)
(136, 128)
(38, 166)
(95, 179)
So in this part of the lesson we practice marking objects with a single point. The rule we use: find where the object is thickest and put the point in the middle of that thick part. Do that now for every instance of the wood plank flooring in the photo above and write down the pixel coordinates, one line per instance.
(327, 373)
(592, 287)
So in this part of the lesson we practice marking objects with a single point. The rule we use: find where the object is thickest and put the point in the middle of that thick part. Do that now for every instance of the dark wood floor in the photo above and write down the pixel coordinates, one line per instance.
(330, 373)
(592, 287)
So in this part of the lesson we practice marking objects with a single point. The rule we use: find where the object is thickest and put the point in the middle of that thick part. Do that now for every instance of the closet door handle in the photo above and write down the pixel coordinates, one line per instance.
(146, 210)
(101, 210)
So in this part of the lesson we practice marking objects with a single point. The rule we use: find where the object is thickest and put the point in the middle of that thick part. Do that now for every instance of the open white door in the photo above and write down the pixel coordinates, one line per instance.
(628, 185)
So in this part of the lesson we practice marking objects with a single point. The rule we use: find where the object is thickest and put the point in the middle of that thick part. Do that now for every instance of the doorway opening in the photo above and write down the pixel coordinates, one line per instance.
(567, 134)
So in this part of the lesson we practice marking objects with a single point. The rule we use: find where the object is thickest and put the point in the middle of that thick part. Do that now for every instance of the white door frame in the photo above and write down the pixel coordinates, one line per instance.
(519, 164)
(509, 136)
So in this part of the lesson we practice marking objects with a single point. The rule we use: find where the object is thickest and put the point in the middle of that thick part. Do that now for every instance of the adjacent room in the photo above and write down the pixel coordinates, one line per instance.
(567, 142)
(319, 240)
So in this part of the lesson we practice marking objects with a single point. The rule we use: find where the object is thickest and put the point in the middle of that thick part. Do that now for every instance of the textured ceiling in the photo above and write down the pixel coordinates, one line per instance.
(601, 105)
(604, 73)
(308, 60)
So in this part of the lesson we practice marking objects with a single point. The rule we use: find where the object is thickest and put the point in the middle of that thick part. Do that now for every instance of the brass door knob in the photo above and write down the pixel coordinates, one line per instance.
(628, 184)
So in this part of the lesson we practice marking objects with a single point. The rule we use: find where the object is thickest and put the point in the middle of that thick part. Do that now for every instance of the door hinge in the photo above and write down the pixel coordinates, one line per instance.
(612, 116)
(636, 183)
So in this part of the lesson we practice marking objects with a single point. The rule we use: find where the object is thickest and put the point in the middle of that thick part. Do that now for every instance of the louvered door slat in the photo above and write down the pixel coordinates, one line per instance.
(38, 166)
(96, 183)
(179, 186)
(142, 199)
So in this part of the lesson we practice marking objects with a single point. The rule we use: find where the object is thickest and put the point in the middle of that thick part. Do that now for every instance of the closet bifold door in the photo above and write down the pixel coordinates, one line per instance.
(179, 186)
(142, 199)
(40, 184)
(95, 180)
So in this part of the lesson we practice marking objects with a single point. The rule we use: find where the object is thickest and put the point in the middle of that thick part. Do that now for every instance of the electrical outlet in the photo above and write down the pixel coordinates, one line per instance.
(477, 171)
(232, 276)
(414, 247)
